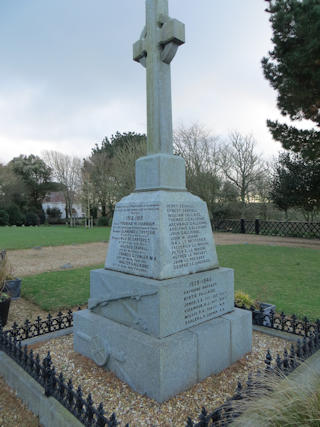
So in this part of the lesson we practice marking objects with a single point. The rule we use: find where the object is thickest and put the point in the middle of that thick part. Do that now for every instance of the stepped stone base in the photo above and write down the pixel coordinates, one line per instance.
(161, 307)
(163, 367)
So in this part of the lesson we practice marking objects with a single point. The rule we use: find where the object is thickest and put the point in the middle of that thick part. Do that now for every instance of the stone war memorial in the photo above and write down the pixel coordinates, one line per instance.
(161, 313)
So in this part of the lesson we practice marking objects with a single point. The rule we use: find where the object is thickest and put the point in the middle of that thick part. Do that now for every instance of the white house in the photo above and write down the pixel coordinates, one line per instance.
(56, 200)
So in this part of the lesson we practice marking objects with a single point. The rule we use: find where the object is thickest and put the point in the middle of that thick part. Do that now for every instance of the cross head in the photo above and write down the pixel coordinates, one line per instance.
(155, 50)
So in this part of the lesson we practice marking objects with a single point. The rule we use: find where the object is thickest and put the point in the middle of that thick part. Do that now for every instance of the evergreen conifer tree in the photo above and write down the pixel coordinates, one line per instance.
(293, 70)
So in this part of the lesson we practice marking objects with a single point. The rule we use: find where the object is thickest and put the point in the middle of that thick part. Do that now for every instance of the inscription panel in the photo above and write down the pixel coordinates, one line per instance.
(133, 233)
(161, 235)
(203, 300)
(196, 298)
(189, 233)
(163, 307)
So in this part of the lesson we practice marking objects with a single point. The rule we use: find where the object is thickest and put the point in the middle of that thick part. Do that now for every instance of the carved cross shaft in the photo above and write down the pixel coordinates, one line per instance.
(155, 50)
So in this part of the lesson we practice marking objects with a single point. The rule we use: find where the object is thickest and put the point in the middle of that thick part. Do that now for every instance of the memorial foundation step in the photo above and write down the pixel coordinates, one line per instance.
(163, 367)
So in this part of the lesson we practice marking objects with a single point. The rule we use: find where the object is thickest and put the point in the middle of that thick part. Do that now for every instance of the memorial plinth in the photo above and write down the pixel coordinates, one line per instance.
(161, 313)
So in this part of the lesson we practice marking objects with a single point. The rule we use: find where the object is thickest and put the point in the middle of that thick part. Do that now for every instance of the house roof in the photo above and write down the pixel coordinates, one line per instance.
(55, 197)
(58, 197)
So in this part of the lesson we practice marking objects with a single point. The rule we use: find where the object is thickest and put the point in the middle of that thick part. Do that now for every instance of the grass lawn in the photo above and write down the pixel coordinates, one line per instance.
(287, 277)
(57, 290)
(52, 235)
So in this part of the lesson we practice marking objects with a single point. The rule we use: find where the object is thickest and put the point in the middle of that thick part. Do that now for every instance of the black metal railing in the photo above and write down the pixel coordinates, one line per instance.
(89, 414)
(310, 230)
(41, 326)
(257, 385)
(282, 322)
(54, 384)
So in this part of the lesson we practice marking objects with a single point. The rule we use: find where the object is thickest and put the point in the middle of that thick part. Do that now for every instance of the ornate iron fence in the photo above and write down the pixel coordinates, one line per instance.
(41, 326)
(310, 230)
(256, 385)
(90, 414)
(55, 385)
(282, 322)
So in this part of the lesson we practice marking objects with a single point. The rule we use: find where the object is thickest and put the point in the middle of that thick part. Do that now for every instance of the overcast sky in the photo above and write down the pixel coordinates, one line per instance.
(67, 78)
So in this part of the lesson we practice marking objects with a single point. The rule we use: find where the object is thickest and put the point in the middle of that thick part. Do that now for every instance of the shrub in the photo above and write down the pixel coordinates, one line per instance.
(242, 299)
(54, 212)
(54, 216)
(225, 211)
(294, 401)
(4, 217)
(16, 217)
(32, 219)
(103, 221)
(56, 221)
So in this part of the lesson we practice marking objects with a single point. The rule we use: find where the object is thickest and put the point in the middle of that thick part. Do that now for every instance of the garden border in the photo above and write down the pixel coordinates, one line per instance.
(50, 412)
(14, 342)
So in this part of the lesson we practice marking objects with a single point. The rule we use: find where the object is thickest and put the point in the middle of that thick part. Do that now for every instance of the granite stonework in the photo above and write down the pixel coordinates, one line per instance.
(241, 333)
(160, 367)
(161, 314)
(161, 234)
(161, 307)
(160, 172)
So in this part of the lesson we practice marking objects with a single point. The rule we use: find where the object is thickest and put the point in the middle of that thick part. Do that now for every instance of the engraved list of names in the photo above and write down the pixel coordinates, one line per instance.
(133, 232)
(188, 233)
(204, 299)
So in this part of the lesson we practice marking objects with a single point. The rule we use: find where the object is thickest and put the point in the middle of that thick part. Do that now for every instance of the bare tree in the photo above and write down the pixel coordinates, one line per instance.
(241, 165)
(67, 171)
(198, 147)
(200, 151)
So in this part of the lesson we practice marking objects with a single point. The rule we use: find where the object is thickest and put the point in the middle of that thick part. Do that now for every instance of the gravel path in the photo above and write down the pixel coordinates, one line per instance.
(33, 261)
(139, 411)
(128, 405)
(21, 309)
(253, 239)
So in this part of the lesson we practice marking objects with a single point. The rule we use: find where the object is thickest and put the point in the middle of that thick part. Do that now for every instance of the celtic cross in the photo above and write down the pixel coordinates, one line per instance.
(155, 50)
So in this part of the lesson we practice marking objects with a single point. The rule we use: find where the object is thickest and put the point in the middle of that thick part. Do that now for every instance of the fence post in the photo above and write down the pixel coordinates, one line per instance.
(257, 226)
(242, 226)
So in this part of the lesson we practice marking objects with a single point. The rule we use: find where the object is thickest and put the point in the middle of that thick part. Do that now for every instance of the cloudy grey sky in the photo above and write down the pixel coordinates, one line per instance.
(67, 78)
